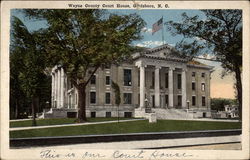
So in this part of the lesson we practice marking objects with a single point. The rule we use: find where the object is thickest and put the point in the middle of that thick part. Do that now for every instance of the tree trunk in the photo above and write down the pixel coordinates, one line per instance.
(118, 113)
(33, 107)
(239, 89)
(16, 109)
(81, 104)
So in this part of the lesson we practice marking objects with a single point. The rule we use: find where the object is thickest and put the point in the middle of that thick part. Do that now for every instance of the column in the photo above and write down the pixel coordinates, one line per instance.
(52, 89)
(208, 91)
(66, 99)
(142, 87)
(62, 87)
(55, 89)
(170, 87)
(183, 88)
(58, 102)
(157, 86)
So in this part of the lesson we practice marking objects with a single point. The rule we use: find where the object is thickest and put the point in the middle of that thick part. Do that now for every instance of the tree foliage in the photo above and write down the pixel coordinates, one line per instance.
(27, 66)
(220, 34)
(116, 88)
(219, 103)
(117, 91)
(82, 41)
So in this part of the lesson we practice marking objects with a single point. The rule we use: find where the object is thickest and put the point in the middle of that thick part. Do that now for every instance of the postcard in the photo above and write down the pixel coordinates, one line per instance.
(125, 80)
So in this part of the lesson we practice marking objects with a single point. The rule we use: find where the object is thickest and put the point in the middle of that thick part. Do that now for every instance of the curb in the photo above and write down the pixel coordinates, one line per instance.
(48, 141)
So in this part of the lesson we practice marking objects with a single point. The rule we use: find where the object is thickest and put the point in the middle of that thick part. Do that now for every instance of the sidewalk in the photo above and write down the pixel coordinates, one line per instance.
(66, 125)
(17, 120)
(89, 123)
(218, 120)
(159, 144)
(227, 146)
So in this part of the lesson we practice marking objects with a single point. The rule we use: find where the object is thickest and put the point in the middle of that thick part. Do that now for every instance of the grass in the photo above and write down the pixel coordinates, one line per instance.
(127, 127)
(58, 121)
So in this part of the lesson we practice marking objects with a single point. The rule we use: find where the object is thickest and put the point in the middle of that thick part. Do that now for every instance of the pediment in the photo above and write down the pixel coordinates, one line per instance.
(161, 52)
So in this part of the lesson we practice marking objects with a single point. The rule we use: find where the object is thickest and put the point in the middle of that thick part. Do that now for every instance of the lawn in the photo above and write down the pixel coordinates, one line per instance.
(127, 127)
(58, 121)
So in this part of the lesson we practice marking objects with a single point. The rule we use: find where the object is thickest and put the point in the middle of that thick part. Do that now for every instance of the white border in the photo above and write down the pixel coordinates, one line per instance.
(7, 153)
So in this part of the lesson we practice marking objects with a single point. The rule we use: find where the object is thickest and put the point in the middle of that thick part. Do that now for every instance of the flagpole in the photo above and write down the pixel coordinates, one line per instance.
(162, 31)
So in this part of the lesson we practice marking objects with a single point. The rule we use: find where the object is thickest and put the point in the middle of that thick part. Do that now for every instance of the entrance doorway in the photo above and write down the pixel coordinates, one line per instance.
(153, 101)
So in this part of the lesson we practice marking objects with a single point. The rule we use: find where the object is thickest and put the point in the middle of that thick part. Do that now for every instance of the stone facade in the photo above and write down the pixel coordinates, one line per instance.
(156, 78)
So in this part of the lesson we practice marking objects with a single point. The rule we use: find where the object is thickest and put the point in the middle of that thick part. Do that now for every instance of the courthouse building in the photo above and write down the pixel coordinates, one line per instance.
(157, 78)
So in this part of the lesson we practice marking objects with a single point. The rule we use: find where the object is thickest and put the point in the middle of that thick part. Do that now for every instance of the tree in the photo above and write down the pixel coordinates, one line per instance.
(16, 93)
(27, 64)
(116, 88)
(220, 33)
(81, 41)
(219, 103)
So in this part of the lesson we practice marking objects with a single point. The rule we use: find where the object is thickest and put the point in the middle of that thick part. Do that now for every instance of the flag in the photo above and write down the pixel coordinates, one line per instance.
(157, 26)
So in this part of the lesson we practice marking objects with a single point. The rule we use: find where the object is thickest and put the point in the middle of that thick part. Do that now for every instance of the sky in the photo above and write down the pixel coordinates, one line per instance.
(220, 88)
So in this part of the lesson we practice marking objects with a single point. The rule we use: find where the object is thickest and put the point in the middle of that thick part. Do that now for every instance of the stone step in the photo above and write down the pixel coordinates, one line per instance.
(172, 114)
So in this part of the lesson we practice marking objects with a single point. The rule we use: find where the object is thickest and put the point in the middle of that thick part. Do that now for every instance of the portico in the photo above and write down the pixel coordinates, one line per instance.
(158, 64)
(57, 90)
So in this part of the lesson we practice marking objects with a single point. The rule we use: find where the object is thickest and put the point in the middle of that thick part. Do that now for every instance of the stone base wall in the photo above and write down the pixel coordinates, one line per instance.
(201, 113)
(55, 113)
(110, 111)
(139, 112)
(92, 111)
(128, 111)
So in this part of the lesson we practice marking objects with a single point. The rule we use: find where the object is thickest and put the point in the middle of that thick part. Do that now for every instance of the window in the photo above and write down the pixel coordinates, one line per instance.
(93, 79)
(108, 66)
(127, 98)
(193, 86)
(166, 80)
(179, 81)
(92, 97)
(166, 99)
(92, 114)
(203, 75)
(203, 86)
(153, 80)
(193, 74)
(203, 101)
(139, 78)
(107, 98)
(160, 80)
(107, 80)
(139, 99)
(127, 114)
(127, 77)
(108, 114)
(75, 98)
(193, 100)
(179, 100)
(71, 115)
(70, 85)
(204, 114)
(69, 102)
(153, 101)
